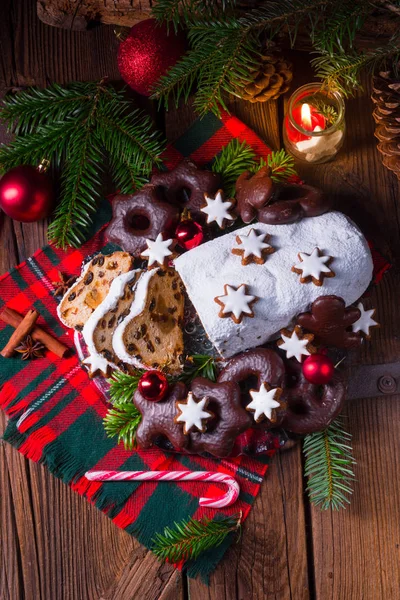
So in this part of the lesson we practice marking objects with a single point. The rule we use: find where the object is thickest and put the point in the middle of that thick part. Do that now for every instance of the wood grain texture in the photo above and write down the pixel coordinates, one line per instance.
(55, 546)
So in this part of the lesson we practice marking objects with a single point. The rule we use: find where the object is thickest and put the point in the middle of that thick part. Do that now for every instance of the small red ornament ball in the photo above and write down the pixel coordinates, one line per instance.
(26, 194)
(153, 385)
(189, 234)
(318, 369)
(148, 53)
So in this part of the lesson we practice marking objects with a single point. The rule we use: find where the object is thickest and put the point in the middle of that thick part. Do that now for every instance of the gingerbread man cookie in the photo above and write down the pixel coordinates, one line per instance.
(329, 320)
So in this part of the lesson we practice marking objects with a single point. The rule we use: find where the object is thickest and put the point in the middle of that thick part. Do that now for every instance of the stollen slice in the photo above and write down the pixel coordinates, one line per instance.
(102, 323)
(151, 336)
(92, 287)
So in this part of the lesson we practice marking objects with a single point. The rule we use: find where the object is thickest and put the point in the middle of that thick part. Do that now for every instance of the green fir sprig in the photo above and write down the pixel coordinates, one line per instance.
(329, 466)
(79, 127)
(237, 157)
(122, 421)
(199, 365)
(188, 539)
(123, 386)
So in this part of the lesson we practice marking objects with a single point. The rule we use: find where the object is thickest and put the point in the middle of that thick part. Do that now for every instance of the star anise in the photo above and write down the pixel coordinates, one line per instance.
(30, 349)
(63, 283)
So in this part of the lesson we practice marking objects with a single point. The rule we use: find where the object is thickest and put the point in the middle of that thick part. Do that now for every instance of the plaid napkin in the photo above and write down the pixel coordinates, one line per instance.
(56, 412)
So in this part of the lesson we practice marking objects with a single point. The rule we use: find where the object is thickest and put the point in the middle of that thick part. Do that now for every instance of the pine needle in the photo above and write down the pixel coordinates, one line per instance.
(122, 421)
(329, 466)
(189, 539)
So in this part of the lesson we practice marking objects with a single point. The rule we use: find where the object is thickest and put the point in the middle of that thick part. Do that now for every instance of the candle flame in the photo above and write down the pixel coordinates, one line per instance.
(306, 116)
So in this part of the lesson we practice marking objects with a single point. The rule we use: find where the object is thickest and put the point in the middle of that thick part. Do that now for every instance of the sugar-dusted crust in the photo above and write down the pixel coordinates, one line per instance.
(92, 287)
(151, 335)
(281, 297)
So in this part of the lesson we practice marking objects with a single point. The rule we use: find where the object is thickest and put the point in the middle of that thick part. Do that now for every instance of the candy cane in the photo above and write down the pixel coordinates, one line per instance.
(217, 502)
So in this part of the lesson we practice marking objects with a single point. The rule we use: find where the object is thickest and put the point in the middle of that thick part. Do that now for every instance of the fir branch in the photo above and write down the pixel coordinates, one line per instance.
(280, 163)
(123, 386)
(339, 30)
(234, 158)
(189, 539)
(328, 111)
(341, 71)
(122, 421)
(329, 466)
(182, 12)
(25, 111)
(80, 189)
(199, 365)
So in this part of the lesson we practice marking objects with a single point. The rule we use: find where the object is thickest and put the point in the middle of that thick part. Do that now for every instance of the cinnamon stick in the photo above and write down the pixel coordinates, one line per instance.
(11, 317)
(24, 327)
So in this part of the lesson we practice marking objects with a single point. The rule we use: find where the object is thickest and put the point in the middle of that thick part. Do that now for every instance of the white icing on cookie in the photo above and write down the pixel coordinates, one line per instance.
(158, 250)
(365, 322)
(294, 346)
(84, 270)
(137, 307)
(253, 244)
(192, 413)
(236, 301)
(262, 402)
(217, 210)
(205, 269)
(312, 265)
(96, 361)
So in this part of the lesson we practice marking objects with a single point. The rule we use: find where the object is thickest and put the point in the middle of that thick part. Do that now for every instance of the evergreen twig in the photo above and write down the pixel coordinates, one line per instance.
(235, 158)
(329, 466)
(123, 386)
(122, 421)
(199, 365)
(189, 539)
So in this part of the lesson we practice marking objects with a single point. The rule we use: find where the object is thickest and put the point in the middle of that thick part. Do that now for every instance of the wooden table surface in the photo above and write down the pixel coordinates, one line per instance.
(54, 545)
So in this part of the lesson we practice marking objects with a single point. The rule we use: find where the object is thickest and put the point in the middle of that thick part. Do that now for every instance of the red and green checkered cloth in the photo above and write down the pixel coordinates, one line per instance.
(56, 412)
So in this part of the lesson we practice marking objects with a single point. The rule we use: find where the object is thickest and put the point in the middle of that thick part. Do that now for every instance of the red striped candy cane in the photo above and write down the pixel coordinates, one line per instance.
(230, 496)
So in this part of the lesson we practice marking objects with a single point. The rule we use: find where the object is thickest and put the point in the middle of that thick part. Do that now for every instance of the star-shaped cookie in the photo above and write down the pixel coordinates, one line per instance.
(217, 209)
(253, 247)
(192, 413)
(158, 252)
(365, 322)
(264, 401)
(158, 418)
(235, 303)
(296, 343)
(313, 267)
(225, 401)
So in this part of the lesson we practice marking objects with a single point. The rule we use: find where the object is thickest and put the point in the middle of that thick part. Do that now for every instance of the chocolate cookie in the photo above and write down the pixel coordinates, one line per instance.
(291, 202)
(230, 417)
(158, 418)
(310, 407)
(253, 191)
(140, 217)
(189, 179)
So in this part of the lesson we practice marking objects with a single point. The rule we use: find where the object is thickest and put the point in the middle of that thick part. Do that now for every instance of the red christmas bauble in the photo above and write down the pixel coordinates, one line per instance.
(26, 194)
(153, 385)
(318, 369)
(189, 234)
(148, 53)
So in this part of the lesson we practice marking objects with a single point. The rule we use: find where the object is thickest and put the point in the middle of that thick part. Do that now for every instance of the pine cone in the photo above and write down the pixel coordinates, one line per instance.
(386, 96)
(269, 81)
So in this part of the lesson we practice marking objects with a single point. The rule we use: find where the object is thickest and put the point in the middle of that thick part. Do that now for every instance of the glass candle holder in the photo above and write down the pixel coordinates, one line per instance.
(314, 125)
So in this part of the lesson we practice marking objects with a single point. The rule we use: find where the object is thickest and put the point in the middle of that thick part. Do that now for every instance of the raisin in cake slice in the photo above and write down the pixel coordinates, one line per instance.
(92, 287)
(151, 336)
(99, 328)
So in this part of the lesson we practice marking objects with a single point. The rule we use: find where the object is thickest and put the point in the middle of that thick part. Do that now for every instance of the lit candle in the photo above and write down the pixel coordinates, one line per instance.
(306, 113)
